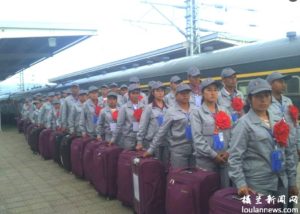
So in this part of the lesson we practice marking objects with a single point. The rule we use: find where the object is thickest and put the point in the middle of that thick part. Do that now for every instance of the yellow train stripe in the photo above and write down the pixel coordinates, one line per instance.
(247, 75)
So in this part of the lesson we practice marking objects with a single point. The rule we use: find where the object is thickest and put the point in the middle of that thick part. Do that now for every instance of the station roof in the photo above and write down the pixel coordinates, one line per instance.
(209, 42)
(25, 44)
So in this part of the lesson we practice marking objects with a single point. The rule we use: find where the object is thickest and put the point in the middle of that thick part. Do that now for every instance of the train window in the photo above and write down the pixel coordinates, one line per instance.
(293, 85)
(242, 86)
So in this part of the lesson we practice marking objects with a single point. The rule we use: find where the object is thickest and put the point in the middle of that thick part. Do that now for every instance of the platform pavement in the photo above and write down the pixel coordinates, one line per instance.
(31, 185)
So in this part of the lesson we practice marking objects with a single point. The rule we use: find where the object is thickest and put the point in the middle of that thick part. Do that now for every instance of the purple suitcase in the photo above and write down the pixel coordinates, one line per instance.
(52, 141)
(124, 180)
(88, 159)
(77, 149)
(105, 164)
(227, 201)
(44, 143)
(189, 190)
(149, 184)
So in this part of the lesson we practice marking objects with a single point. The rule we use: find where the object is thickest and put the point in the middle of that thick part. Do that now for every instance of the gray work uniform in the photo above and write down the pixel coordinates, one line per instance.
(224, 99)
(173, 130)
(203, 130)
(106, 125)
(88, 118)
(250, 151)
(170, 99)
(102, 101)
(196, 98)
(75, 117)
(281, 110)
(45, 115)
(25, 112)
(68, 102)
(35, 115)
(55, 119)
(127, 126)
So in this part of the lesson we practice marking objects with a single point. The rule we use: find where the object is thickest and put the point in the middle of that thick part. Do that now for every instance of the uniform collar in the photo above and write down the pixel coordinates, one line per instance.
(256, 120)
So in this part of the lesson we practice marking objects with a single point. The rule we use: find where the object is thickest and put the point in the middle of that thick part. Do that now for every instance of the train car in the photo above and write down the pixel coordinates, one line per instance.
(250, 61)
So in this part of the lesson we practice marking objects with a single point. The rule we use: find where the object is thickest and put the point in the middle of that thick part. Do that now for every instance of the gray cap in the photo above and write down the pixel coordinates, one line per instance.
(51, 94)
(112, 94)
(175, 79)
(183, 87)
(113, 85)
(104, 86)
(193, 71)
(82, 92)
(57, 93)
(209, 81)
(55, 101)
(157, 85)
(75, 84)
(124, 86)
(134, 80)
(37, 95)
(276, 76)
(151, 83)
(227, 72)
(258, 85)
(133, 87)
(35, 101)
(93, 88)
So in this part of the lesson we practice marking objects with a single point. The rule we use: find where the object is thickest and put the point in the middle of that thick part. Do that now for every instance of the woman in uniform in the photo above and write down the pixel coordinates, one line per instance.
(261, 159)
(211, 125)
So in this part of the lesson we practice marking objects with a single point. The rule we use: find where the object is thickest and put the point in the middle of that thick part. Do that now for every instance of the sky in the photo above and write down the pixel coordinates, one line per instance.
(125, 29)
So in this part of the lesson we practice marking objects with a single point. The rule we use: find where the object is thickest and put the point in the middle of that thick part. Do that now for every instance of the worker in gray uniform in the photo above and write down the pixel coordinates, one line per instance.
(107, 120)
(103, 98)
(46, 112)
(151, 120)
(176, 130)
(76, 112)
(129, 118)
(258, 162)
(123, 92)
(89, 114)
(66, 107)
(55, 116)
(210, 138)
(170, 97)
(229, 94)
(193, 74)
(142, 97)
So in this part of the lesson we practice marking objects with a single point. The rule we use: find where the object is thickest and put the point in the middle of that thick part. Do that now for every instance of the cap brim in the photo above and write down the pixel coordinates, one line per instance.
(256, 91)
(183, 91)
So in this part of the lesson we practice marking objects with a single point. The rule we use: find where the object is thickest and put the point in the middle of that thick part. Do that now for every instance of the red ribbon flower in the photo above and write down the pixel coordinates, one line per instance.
(98, 110)
(222, 120)
(281, 132)
(294, 112)
(137, 114)
(237, 104)
(114, 116)
(140, 97)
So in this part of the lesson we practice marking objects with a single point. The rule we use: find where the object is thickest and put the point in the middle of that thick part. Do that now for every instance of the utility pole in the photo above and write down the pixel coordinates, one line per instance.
(192, 28)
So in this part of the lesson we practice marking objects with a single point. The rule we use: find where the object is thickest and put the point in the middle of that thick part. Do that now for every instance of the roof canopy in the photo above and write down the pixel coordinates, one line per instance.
(25, 44)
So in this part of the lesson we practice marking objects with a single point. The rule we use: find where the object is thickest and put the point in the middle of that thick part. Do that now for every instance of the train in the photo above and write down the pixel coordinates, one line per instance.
(253, 60)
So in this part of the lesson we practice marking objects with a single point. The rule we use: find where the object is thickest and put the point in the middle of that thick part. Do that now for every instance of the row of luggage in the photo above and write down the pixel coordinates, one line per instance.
(141, 183)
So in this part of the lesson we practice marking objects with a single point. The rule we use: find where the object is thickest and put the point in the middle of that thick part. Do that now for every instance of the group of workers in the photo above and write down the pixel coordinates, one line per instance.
(251, 139)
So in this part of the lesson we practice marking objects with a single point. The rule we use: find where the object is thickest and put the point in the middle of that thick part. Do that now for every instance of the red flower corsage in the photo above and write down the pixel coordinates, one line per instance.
(281, 132)
(237, 104)
(140, 97)
(114, 116)
(222, 120)
(294, 112)
(98, 110)
(137, 114)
